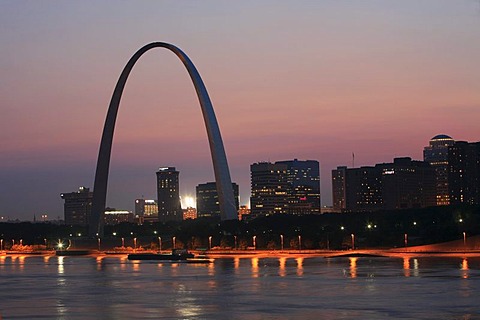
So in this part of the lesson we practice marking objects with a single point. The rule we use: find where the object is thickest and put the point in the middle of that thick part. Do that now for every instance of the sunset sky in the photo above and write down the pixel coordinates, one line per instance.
(288, 79)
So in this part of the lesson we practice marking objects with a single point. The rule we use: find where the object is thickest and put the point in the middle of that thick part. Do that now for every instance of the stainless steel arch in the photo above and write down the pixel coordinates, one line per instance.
(219, 159)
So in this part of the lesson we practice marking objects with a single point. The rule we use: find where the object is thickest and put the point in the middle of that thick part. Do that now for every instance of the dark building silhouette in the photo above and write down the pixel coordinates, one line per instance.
(436, 153)
(207, 199)
(291, 186)
(357, 189)
(401, 184)
(269, 189)
(303, 178)
(464, 172)
(77, 207)
(169, 207)
(407, 183)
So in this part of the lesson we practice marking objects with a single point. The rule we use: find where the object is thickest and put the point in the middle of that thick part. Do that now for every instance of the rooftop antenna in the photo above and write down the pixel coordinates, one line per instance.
(353, 160)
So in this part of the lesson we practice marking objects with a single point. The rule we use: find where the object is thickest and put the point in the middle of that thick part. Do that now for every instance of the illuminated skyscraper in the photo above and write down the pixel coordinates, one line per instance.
(270, 189)
(437, 155)
(169, 207)
(303, 178)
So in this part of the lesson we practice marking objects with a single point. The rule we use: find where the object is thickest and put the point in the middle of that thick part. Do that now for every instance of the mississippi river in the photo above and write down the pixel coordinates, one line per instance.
(111, 287)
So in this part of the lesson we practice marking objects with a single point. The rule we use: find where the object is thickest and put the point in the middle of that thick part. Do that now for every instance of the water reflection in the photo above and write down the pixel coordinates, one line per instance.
(464, 268)
(353, 267)
(406, 267)
(415, 267)
(282, 261)
(60, 269)
(99, 260)
(21, 262)
(236, 263)
(299, 266)
(255, 267)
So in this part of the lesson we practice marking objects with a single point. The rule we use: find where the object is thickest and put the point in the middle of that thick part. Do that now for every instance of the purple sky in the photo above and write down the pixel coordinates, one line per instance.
(288, 79)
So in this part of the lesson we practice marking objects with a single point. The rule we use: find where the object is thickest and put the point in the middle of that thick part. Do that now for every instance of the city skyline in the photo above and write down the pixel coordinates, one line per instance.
(304, 80)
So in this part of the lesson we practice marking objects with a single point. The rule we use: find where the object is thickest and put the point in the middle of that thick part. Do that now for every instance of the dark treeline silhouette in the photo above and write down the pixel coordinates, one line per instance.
(327, 231)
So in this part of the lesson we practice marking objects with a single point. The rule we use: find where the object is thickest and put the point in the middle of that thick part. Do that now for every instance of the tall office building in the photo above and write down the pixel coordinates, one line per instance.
(291, 186)
(339, 177)
(269, 189)
(169, 207)
(357, 189)
(207, 199)
(407, 183)
(436, 153)
(401, 184)
(77, 206)
(303, 178)
(464, 172)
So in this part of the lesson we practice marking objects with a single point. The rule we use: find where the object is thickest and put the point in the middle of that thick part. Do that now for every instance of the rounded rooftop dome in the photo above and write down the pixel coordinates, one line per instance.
(442, 137)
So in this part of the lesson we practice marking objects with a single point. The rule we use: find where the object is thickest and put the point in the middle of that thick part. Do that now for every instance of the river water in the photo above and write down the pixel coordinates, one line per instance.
(111, 287)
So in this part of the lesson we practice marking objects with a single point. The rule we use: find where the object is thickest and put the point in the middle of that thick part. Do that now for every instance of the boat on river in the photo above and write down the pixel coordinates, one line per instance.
(181, 255)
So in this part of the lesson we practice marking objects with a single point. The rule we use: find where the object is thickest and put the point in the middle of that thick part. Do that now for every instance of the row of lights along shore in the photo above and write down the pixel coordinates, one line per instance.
(60, 245)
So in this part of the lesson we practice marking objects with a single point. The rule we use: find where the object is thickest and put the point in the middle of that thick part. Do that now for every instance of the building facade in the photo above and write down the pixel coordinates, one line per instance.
(269, 189)
(77, 207)
(169, 206)
(464, 173)
(113, 216)
(436, 153)
(190, 213)
(285, 187)
(207, 199)
(146, 210)
(399, 185)
(303, 178)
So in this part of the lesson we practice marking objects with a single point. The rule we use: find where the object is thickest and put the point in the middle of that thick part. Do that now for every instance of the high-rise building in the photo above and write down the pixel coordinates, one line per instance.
(169, 207)
(303, 178)
(78, 206)
(269, 189)
(464, 173)
(401, 184)
(436, 153)
(356, 189)
(207, 199)
(408, 184)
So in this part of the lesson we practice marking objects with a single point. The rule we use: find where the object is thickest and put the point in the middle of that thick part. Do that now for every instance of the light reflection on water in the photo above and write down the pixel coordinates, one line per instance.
(239, 288)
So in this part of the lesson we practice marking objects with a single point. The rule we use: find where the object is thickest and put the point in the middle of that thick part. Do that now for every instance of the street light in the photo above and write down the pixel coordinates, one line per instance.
(254, 238)
(299, 242)
(235, 242)
(353, 241)
(174, 242)
(405, 239)
(281, 242)
(98, 244)
(210, 243)
(1, 244)
(159, 244)
(134, 243)
(123, 243)
(464, 238)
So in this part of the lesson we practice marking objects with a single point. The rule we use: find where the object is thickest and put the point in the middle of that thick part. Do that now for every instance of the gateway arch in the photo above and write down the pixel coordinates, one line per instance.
(219, 159)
